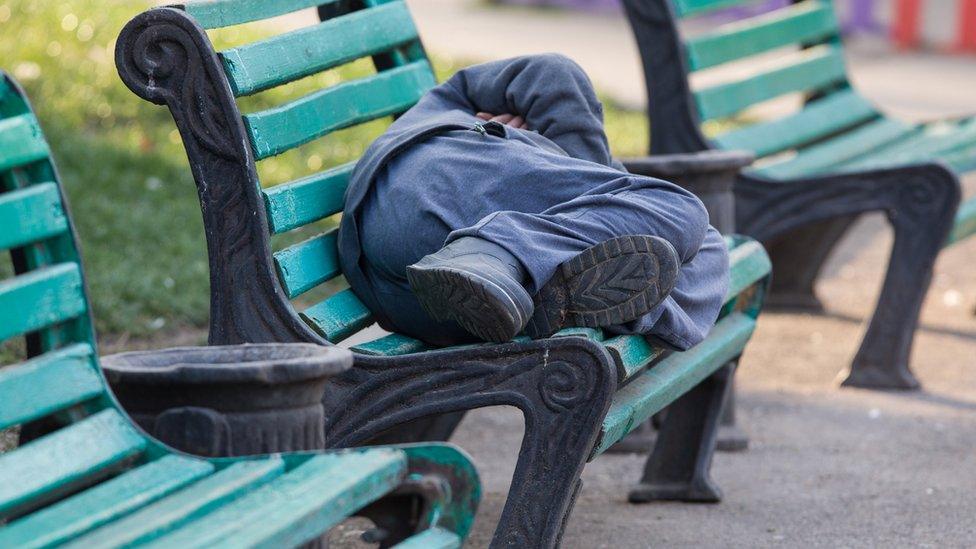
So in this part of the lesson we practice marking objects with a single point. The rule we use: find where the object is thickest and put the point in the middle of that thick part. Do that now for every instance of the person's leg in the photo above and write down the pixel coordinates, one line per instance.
(537, 209)
(687, 315)
(625, 205)
(614, 204)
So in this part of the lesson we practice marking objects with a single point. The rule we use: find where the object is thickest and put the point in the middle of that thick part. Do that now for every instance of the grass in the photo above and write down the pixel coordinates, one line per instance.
(124, 168)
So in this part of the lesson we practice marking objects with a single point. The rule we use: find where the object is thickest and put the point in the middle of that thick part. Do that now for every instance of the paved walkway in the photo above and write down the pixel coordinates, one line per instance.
(827, 467)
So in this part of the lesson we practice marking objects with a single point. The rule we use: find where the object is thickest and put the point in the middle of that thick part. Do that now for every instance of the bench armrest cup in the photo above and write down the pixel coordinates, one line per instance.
(669, 166)
(236, 400)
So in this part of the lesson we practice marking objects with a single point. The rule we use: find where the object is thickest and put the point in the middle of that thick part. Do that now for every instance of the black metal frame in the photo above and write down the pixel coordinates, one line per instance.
(801, 220)
(563, 386)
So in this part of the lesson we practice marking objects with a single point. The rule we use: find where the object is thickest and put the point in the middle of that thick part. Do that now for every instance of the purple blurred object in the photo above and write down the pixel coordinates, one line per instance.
(591, 5)
(604, 5)
(861, 17)
(749, 11)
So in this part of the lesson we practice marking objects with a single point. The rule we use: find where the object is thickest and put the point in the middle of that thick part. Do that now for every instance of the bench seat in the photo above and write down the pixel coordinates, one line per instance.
(877, 144)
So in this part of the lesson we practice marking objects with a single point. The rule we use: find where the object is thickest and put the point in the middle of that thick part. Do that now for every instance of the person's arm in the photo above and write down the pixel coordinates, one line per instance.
(550, 93)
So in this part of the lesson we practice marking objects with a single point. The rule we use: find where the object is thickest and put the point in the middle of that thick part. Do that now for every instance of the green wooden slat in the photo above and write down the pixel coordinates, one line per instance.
(830, 155)
(306, 51)
(965, 225)
(187, 505)
(338, 317)
(389, 92)
(962, 160)
(298, 506)
(307, 264)
(434, 538)
(632, 354)
(814, 69)
(48, 383)
(304, 201)
(213, 14)
(456, 510)
(589, 333)
(748, 263)
(31, 214)
(685, 8)
(21, 141)
(392, 345)
(838, 111)
(11, 102)
(931, 143)
(657, 387)
(64, 459)
(65, 520)
(40, 298)
(805, 23)
(927, 141)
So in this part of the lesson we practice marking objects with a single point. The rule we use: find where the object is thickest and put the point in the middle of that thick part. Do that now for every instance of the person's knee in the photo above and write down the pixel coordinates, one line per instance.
(694, 219)
(686, 211)
(713, 262)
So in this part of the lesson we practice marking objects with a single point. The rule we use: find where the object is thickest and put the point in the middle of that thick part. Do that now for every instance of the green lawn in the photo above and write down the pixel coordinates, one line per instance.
(124, 168)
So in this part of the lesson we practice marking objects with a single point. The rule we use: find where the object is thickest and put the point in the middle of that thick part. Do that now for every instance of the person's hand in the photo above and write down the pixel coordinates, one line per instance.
(512, 120)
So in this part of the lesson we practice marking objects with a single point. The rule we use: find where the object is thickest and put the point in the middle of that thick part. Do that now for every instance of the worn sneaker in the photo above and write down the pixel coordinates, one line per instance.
(611, 283)
(475, 283)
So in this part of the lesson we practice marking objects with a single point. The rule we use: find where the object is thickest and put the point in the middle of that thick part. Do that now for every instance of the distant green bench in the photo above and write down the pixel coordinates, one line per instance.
(820, 166)
(580, 391)
(94, 479)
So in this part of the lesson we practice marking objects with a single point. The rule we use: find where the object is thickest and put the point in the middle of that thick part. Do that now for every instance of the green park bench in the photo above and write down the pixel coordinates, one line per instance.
(579, 391)
(820, 166)
(91, 478)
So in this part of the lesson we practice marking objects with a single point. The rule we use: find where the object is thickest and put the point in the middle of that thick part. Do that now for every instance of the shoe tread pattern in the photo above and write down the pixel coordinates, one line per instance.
(608, 284)
(452, 295)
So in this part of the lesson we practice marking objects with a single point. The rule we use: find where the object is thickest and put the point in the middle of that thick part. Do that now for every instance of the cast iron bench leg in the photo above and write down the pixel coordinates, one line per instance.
(731, 436)
(555, 448)
(799, 257)
(563, 386)
(679, 467)
(919, 201)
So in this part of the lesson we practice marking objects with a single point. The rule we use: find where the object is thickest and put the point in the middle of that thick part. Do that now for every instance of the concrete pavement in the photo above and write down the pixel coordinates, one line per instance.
(827, 467)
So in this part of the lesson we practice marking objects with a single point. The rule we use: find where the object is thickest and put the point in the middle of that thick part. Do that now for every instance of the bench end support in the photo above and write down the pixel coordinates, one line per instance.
(679, 467)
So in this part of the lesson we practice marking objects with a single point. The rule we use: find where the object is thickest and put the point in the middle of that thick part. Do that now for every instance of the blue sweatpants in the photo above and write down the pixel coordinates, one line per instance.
(544, 195)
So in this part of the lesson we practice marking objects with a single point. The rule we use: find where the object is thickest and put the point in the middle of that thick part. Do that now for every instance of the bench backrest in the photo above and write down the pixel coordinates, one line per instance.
(350, 30)
(42, 296)
(796, 49)
(60, 389)
(810, 27)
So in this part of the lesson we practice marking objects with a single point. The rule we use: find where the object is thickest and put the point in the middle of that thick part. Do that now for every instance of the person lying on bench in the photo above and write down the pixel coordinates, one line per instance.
(493, 207)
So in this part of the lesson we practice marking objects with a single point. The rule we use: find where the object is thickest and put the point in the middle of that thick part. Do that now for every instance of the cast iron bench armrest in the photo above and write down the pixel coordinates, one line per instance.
(689, 164)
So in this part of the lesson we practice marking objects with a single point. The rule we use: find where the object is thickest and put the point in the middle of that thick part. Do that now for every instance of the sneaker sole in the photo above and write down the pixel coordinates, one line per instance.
(611, 283)
(480, 306)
